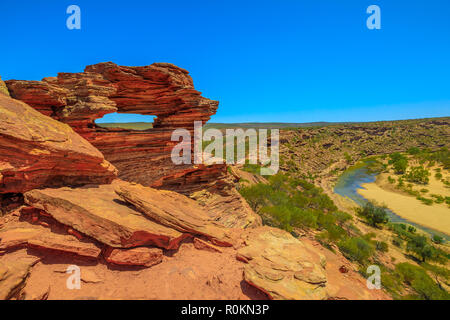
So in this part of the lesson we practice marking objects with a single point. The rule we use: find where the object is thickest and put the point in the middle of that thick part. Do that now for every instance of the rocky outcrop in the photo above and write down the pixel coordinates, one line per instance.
(281, 266)
(3, 88)
(42, 239)
(37, 151)
(227, 207)
(14, 270)
(161, 89)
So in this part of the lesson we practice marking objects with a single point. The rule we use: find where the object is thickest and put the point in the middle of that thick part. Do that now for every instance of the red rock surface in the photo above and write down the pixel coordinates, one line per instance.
(43, 239)
(282, 266)
(37, 151)
(97, 212)
(161, 89)
(349, 285)
(141, 256)
(173, 210)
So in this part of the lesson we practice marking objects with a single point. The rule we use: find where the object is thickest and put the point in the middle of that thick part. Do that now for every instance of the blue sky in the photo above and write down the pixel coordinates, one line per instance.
(265, 61)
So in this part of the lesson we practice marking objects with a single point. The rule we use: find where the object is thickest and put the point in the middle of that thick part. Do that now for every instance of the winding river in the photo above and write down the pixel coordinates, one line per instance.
(352, 179)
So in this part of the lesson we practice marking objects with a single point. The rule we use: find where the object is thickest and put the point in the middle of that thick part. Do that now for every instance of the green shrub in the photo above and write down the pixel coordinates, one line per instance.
(413, 151)
(421, 282)
(356, 249)
(289, 203)
(374, 215)
(399, 162)
(411, 229)
(381, 246)
(418, 175)
(438, 198)
(398, 242)
(437, 239)
(420, 246)
(347, 157)
(426, 201)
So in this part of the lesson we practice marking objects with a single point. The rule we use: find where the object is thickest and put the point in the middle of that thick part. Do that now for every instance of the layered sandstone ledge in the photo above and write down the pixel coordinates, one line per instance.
(37, 151)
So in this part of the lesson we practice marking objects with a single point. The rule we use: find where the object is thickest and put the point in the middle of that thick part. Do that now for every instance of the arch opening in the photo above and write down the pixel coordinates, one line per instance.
(130, 121)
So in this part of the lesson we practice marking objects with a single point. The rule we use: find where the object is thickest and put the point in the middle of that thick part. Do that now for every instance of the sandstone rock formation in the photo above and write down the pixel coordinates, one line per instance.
(161, 89)
(99, 213)
(37, 151)
(282, 266)
(227, 207)
(141, 256)
(173, 210)
(42, 238)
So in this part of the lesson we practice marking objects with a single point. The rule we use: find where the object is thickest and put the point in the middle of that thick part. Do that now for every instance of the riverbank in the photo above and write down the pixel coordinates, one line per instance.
(360, 184)
(436, 217)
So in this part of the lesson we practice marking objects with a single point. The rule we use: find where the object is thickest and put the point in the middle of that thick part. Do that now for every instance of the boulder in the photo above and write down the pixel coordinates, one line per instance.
(38, 151)
(18, 235)
(173, 210)
(97, 211)
(141, 256)
(281, 266)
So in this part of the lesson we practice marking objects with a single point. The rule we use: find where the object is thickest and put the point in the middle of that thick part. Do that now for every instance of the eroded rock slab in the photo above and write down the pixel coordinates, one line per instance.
(203, 245)
(228, 208)
(20, 234)
(281, 266)
(173, 210)
(141, 256)
(3, 88)
(37, 151)
(99, 213)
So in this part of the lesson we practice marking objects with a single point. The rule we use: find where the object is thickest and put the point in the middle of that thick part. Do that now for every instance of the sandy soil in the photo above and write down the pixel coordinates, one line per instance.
(187, 274)
(436, 216)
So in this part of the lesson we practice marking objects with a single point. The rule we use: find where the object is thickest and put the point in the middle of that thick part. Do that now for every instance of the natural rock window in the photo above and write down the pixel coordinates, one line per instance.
(127, 121)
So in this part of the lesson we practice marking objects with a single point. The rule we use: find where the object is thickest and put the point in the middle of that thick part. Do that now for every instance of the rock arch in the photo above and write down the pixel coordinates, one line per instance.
(161, 89)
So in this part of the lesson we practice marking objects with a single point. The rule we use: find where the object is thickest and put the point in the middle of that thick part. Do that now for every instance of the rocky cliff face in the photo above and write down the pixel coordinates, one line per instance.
(161, 89)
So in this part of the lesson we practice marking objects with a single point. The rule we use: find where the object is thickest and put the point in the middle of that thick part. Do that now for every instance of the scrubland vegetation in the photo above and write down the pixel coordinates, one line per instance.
(299, 206)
